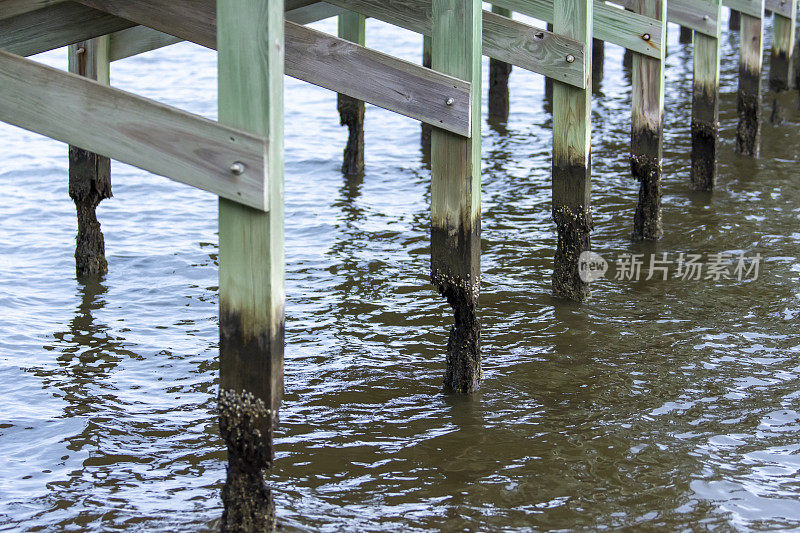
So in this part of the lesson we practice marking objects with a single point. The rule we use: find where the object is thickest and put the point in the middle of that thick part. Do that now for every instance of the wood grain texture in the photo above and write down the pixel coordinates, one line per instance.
(311, 56)
(507, 40)
(55, 26)
(456, 192)
(647, 130)
(754, 8)
(571, 157)
(612, 25)
(688, 13)
(143, 133)
(12, 8)
(784, 8)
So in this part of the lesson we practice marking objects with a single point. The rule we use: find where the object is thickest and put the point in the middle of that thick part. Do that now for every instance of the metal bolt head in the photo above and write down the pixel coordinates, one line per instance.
(570, 58)
(539, 35)
(646, 36)
(237, 168)
(81, 50)
(450, 101)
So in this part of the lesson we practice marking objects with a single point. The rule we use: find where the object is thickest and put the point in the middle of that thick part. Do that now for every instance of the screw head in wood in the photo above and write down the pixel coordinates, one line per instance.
(237, 169)
(539, 35)
(450, 101)
(570, 58)
(81, 50)
(646, 36)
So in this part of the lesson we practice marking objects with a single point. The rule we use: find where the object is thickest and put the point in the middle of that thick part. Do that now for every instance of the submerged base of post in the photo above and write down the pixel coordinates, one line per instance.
(646, 169)
(248, 504)
(748, 134)
(89, 184)
(351, 114)
(499, 99)
(574, 229)
(705, 133)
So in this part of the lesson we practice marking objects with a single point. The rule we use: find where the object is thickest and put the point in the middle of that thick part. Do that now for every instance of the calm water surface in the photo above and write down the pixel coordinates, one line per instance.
(661, 405)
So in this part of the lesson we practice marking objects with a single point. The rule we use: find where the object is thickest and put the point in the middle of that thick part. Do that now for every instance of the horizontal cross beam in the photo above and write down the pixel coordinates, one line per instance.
(698, 16)
(380, 79)
(624, 28)
(137, 131)
(752, 8)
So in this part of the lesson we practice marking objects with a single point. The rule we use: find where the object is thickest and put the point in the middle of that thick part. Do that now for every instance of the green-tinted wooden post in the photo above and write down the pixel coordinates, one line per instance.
(781, 63)
(734, 20)
(647, 130)
(89, 173)
(571, 161)
(425, 137)
(456, 192)
(748, 134)
(499, 72)
(251, 262)
(705, 104)
(351, 111)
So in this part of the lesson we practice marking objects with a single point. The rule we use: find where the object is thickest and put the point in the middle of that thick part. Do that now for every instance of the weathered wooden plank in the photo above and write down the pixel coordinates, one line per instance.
(89, 173)
(705, 104)
(647, 130)
(140, 39)
(781, 69)
(504, 39)
(754, 8)
(137, 40)
(571, 158)
(748, 133)
(55, 26)
(612, 25)
(143, 133)
(12, 8)
(352, 28)
(456, 192)
(251, 263)
(688, 13)
(784, 8)
(311, 56)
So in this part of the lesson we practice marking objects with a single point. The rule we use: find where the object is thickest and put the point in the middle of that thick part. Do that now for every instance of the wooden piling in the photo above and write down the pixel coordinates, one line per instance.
(89, 173)
(686, 35)
(781, 69)
(734, 20)
(647, 129)
(425, 135)
(455, 192)
(748, 134)
(705, 106)
(548, 82)
(251, 263)
(352, 27)
(499, 72)
(571, 157)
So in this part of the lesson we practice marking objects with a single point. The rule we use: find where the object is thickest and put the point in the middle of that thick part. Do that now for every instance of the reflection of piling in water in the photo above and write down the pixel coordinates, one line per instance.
(89, 173)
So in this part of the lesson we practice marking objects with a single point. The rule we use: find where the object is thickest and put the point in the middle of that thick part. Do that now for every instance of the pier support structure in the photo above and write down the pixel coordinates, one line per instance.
(781, 69)
(734, 20)
(499, 72)
(250, 40)
(89, 173)
(705, 102)
(748, 133)
(647, 129)
(455, 192)
(425, 134)
(352, 27)
(571, 156)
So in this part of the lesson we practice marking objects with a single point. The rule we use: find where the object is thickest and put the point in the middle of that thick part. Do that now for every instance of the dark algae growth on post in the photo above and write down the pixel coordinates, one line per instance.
(653, 405)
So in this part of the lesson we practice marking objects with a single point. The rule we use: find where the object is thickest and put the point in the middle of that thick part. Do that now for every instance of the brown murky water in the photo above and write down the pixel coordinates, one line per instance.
(662, 404)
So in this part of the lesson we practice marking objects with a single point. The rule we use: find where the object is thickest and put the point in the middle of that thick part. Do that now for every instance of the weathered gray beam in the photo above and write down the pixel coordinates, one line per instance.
(141, 39)
(311, 56)
(143, 133)
(12, 8)
(690, 14)
(55, 26)
(784, 8)
(754, 8)
(616, 26)
(508, 40)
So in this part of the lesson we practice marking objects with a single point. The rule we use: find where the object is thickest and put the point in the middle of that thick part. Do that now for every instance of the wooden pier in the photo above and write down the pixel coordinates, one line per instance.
(239, 158)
